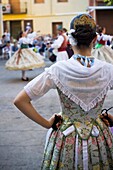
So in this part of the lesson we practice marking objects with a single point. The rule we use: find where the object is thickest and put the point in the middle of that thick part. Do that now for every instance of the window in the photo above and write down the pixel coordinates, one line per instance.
(62, 0)
(38, 1)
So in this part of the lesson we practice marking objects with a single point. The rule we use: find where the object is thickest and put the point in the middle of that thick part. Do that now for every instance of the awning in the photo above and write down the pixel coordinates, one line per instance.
(10, 17)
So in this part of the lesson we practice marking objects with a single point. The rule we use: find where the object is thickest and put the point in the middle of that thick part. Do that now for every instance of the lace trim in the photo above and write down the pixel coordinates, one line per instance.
(79, 102)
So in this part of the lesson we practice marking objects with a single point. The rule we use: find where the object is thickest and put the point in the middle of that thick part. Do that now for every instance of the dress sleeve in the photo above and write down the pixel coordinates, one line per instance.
(57, 43)
(39, 86)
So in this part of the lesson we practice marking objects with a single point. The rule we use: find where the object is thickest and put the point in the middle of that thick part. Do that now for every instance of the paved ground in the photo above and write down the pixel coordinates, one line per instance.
(21, 140)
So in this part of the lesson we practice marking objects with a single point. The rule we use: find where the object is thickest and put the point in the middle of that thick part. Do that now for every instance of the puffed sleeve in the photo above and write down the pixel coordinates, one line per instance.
(57, 43)
(39, 86)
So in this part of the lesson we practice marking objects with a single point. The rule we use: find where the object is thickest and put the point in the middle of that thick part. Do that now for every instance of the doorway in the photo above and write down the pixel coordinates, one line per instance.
(104, 18)
(55, 26)
(15, 28)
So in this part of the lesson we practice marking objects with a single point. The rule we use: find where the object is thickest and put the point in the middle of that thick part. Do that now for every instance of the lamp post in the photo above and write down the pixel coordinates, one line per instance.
(1, 20)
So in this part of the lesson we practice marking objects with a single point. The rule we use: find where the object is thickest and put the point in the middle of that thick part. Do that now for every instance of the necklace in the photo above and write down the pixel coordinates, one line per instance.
(85, 61)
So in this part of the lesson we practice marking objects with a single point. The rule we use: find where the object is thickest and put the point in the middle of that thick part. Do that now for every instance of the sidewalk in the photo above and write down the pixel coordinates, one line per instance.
(21, 140)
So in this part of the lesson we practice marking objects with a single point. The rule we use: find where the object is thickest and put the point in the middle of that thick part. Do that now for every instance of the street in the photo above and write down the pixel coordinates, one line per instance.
(21, 140)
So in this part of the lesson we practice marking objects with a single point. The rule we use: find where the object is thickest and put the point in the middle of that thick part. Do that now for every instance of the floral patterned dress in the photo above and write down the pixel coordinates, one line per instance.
(89, 146)
(83, 141)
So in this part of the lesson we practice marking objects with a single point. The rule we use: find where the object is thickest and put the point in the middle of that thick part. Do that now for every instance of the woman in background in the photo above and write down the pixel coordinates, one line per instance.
(25, 58)
(102, 49)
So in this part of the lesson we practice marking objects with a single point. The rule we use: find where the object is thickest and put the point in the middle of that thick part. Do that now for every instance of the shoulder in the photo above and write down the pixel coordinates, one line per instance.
(61, 37)
(105, 65)
(63, 65)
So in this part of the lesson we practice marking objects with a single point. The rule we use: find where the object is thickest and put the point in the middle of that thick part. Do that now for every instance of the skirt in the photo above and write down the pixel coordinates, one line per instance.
(71, 152)
(104, 53)
(25, 60)
(62, 56)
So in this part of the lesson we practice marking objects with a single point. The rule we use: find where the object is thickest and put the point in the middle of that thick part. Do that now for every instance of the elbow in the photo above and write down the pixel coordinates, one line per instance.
(21, 99)
(18, 99)
(17, 102)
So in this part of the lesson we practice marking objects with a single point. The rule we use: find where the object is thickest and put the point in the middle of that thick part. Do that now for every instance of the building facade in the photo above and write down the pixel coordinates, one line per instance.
(43, 15)
(102, 13)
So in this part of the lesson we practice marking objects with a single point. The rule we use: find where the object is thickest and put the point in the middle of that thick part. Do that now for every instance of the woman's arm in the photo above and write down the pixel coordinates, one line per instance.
(23, 103)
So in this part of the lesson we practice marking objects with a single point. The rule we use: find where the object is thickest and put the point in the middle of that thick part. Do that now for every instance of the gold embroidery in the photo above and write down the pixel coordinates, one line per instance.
(84, 20)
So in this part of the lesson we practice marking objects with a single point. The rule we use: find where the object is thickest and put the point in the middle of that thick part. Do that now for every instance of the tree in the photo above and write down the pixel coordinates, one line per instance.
(109, 2)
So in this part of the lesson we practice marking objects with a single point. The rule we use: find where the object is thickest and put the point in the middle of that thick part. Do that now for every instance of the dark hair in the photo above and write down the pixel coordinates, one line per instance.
(19, 35)
(8, 41)
(3, 36)
(64, 29)
(84, 34)
(100, 29)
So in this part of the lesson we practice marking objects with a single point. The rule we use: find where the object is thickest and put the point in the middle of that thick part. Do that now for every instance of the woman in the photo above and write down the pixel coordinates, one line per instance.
(25, 58)
(83, 139)
(102, 49)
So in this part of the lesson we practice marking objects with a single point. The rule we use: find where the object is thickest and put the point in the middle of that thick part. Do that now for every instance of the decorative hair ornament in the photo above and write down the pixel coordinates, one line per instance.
(83, 19)
(72, 40)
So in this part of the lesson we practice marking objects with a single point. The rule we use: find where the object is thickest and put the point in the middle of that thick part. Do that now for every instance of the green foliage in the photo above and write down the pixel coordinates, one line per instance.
(109, 2)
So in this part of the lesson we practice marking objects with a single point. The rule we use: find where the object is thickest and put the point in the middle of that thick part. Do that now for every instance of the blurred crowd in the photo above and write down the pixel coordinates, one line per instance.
(41, 44)
(9, 45)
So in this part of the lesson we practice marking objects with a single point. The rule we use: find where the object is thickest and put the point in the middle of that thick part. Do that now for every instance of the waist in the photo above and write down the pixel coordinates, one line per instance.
(24, 46)
(98, 45)
(61, 49)
(102, 42)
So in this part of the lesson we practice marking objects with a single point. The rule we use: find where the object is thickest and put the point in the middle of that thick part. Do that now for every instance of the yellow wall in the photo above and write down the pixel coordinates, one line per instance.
(53, 7)
(44, 24)
(43, 14)
(51, 11)
(5, 1)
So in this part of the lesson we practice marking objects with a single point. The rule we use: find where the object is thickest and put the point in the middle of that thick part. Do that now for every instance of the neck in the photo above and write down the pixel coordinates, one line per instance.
(83, 51)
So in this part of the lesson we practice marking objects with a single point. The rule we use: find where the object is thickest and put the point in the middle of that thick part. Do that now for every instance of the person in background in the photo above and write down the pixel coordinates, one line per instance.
(60, 44)
(7, 50)
(3, 39)
(28, 26)
(79, 137)
(24, 58)
(69, 47)
(50, 53)
(101, 49)
(2, 44)
(64, 30)
(35, 47)
(7, 34)
(15, 47)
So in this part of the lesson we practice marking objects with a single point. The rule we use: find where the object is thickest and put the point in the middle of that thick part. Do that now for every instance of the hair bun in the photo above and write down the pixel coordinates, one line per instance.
(84, 34)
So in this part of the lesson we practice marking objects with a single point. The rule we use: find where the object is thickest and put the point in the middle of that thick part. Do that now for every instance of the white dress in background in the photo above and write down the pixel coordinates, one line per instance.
(25, 58)
(102, 51)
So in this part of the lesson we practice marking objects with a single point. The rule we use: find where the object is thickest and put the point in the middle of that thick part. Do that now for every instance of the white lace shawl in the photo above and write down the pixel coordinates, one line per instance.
(84, 86)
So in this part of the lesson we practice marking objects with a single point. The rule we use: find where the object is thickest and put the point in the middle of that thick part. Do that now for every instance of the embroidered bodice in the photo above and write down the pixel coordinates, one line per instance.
(73, 114)
(82, 91)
